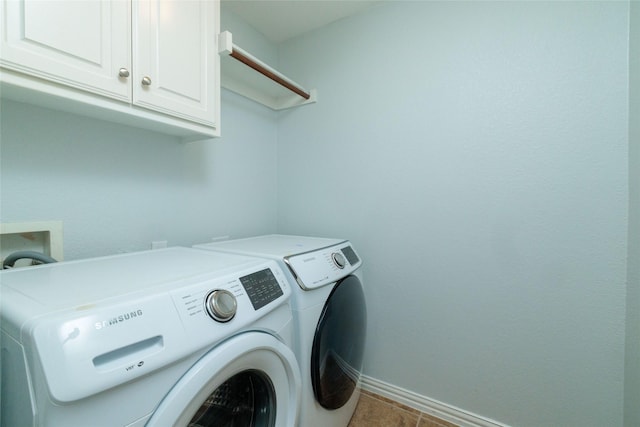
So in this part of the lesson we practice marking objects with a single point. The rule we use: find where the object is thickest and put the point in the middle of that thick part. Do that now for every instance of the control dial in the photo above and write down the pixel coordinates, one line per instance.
(338, 260)
(221, 305)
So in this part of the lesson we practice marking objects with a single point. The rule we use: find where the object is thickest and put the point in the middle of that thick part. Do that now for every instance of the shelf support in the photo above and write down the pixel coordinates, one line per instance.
(226, 46)
(263, 69)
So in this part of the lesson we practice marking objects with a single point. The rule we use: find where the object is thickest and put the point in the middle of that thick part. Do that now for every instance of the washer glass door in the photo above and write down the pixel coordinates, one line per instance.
(338, 344)
(246, 399)
(251, 380)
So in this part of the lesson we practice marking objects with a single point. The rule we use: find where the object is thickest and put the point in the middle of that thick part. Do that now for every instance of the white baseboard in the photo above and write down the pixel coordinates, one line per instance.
(424, 404)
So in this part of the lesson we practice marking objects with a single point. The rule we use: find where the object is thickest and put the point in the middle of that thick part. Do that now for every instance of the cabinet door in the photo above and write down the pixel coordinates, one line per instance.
(175, 58)
(82, 44)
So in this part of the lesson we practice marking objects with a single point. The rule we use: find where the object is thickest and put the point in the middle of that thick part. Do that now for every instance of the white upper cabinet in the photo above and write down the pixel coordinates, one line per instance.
(82, 44)
(156, 58)
(172, 50)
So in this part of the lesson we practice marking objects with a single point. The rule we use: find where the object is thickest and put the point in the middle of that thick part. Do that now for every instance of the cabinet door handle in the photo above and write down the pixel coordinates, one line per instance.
(123, 72)
(146, 80)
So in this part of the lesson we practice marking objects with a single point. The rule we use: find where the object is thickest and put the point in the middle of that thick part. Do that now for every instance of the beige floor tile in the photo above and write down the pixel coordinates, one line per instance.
(391, 402)
(372, 412)
(427, 420)
(378, 411)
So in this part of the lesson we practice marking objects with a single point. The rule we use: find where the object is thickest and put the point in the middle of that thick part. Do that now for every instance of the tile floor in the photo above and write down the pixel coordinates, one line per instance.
(377, 411)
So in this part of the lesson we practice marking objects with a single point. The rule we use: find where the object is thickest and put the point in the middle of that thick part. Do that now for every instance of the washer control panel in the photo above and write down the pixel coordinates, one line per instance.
(262, 287)
(238, 298)
(92, 347)
(319, 268)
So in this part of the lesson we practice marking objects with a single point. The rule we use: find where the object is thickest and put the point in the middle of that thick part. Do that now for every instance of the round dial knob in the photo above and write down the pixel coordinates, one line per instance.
(338, 260)
(221, 305)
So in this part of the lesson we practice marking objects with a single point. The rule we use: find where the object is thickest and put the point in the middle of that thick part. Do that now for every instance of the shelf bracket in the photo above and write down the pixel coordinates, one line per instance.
(302, 95)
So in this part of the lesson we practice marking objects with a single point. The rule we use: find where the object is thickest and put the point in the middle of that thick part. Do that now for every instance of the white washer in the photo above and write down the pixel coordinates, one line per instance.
(133, 340)
(330, 313)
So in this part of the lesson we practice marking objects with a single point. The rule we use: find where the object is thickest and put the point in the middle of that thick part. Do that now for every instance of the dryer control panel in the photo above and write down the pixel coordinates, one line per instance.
(328, 265)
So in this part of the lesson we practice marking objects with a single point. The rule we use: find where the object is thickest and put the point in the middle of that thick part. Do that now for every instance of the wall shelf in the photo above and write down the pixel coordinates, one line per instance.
(248, 76)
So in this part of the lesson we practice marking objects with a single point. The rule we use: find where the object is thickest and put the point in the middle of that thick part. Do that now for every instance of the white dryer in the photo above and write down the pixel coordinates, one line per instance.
(172, 337)
(330, 314)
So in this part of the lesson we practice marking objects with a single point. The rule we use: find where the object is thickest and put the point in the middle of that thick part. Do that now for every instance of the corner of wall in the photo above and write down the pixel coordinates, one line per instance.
(247, 36)
(632, 342)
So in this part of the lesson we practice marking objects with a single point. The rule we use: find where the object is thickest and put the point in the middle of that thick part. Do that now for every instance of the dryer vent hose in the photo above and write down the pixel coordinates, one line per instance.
(37, 257)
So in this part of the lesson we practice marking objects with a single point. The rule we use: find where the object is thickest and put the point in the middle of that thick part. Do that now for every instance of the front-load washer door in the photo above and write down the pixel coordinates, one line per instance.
(250, 380)
(338, 344)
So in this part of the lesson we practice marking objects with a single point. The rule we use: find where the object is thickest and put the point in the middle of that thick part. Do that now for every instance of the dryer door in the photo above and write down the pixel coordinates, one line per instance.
(338, 344)
(250, 380)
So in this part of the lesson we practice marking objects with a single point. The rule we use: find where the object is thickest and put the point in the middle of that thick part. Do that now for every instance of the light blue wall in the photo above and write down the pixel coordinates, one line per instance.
(117, 189)
(632, 362)
(476, 155)
(247, 37)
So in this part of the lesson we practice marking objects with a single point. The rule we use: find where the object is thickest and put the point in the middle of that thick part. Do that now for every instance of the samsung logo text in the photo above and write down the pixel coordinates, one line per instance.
(118, 319)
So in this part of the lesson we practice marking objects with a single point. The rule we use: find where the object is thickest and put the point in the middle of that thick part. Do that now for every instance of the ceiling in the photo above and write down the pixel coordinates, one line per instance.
(280, 20)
